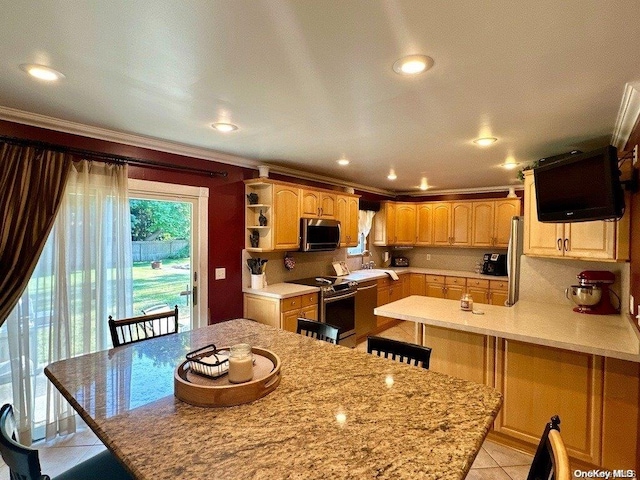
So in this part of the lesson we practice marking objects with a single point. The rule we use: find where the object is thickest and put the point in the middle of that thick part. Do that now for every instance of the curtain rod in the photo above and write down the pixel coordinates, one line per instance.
(109, 158)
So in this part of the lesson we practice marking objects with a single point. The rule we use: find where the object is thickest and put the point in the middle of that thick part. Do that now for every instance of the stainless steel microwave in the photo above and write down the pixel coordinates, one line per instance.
(319, 234)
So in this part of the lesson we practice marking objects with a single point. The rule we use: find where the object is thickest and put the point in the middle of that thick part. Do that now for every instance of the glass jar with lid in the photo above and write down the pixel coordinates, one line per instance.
(240, 363)
(466, 302)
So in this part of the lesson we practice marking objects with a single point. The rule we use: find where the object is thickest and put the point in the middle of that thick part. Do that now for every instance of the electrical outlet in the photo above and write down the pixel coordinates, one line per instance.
(428, 256)
(221, 273)
(632, 302)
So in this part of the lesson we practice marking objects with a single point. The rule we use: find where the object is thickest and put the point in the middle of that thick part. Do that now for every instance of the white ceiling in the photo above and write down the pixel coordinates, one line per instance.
(310, 81)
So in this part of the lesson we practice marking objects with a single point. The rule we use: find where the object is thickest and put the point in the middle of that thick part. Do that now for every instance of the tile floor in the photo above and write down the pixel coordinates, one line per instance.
(494, 462)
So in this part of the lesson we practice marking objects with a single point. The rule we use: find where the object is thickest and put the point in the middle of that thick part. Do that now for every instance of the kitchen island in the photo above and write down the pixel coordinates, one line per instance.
(337, 413)
(545, 359)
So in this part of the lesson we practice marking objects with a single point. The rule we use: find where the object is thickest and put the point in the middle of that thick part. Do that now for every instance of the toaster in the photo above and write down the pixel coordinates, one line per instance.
(399, 262)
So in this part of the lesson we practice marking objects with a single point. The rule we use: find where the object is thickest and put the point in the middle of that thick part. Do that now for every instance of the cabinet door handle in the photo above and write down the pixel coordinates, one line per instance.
(559, 244)
(566, 244)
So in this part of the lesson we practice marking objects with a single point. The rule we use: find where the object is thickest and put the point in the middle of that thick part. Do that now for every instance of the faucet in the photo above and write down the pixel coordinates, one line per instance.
(367, 265)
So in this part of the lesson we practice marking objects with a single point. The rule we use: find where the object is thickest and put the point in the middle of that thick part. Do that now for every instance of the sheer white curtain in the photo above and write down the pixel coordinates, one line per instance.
(365, 220)
(83, 276)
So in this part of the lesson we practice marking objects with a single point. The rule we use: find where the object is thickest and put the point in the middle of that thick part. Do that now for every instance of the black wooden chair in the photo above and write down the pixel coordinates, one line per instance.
(401, 351)
(551, 460)
(136, 329)
(24, 462)
(319, 330)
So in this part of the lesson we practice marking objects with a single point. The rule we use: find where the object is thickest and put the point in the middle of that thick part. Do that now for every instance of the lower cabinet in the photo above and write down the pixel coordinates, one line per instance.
(281, 313)
(461, 354)
(596, 398)
(492, 292)
(389, 291)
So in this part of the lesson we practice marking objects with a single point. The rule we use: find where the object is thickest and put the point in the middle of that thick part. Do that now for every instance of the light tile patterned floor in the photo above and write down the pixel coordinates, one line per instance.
(494, 462)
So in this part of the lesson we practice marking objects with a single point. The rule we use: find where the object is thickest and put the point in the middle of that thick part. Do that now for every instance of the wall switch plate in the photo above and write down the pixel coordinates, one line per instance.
(221, 273)
(428, 256)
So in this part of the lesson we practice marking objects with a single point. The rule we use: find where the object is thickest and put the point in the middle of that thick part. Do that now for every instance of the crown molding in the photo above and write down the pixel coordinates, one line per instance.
(461, 191)
(65, 126)
(627, 115)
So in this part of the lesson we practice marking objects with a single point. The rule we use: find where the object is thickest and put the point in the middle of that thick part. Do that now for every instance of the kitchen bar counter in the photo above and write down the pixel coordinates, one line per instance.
(537, 323)
(337, 413)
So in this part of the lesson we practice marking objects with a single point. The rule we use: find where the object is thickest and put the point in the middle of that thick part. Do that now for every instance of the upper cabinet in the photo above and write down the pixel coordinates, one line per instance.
(273, 211)
(395, 224)
(465, 223)
(347, 214)
(598, 240)
(492, 222)
(316, 203)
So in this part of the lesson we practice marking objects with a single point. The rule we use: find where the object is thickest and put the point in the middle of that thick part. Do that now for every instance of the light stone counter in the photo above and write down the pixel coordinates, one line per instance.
(281, 290)
(376, 273)
(538, 323)
(337, 413)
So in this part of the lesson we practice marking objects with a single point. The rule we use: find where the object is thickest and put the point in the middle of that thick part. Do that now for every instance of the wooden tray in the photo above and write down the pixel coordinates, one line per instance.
(201, 391)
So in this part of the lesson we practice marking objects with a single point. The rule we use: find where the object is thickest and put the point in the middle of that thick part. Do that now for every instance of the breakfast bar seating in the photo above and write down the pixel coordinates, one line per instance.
(336, 413)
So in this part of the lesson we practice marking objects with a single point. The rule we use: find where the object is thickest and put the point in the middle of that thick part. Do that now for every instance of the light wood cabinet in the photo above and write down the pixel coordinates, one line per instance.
(442, 224)
(281, 313)
(282, 204)
(461, 354)
(597, 240)
(316, 203)
(439, 286)
(347, 214)
(390, 291)
(498, 292)
(539, 382)
(417, 284)
(492, 222)
(395, 224)
(424, 224)
(461, 214)
(479, 290)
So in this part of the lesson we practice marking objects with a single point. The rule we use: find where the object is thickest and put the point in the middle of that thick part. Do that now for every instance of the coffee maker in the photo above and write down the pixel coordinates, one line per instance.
(592, 295)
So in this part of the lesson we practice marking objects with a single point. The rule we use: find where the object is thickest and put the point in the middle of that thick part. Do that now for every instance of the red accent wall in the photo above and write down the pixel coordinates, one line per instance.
(226, 205)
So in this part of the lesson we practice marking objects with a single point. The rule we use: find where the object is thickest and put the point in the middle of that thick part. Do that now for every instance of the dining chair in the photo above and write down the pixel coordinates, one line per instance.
(136, 329)
(551, 460)
(401, 351)
(320, 330)
(24, 462)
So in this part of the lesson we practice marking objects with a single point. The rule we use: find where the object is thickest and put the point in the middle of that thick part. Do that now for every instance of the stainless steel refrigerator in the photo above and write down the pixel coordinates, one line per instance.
(514, 252)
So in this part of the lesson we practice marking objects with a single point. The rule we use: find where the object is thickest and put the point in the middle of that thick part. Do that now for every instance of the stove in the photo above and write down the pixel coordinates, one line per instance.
(329, 286)
(336, 304)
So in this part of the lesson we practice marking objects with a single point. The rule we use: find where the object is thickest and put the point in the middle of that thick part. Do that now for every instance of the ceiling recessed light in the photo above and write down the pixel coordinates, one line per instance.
(509, 165)
(343, 162)
(392, 175)
(412, 64)
(483, 142)
(41, 72)
(224, 127)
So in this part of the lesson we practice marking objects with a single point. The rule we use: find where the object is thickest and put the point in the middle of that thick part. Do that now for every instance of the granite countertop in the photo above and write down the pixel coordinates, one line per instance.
(532, 322)
(337, 413)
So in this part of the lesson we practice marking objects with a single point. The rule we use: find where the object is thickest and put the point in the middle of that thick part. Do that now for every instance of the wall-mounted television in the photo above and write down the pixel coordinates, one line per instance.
(580, 188)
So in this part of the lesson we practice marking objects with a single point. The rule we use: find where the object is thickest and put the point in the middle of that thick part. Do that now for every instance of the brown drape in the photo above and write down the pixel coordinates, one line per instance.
(31, 188)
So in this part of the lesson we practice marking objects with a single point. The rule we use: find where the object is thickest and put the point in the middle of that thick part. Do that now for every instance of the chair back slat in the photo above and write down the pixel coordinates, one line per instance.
(23, 462)
(318, 330)
(136, 329)
(551, 460)
(404, 352)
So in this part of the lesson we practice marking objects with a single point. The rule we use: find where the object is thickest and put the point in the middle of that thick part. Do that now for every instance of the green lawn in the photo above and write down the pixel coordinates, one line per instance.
(153, 287)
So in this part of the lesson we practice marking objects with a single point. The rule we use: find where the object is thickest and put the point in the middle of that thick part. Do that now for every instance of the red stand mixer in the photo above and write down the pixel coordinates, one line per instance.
(592, 295)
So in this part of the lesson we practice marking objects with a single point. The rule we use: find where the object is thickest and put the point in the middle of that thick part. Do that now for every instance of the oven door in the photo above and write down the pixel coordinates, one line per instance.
(340, 311)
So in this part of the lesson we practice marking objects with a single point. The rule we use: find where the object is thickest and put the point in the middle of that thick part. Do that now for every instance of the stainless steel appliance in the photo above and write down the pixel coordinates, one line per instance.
(592, 295)
(336, 304)
(366, 301)
(319, 234)
(514, 252)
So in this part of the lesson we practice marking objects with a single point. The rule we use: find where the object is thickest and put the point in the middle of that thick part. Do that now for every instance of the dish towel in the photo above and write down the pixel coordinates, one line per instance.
(392, 274)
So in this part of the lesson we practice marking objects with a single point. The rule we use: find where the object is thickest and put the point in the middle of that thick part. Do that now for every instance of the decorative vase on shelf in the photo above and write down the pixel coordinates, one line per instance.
(253, 198)
(262, 219)
(254, 239)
